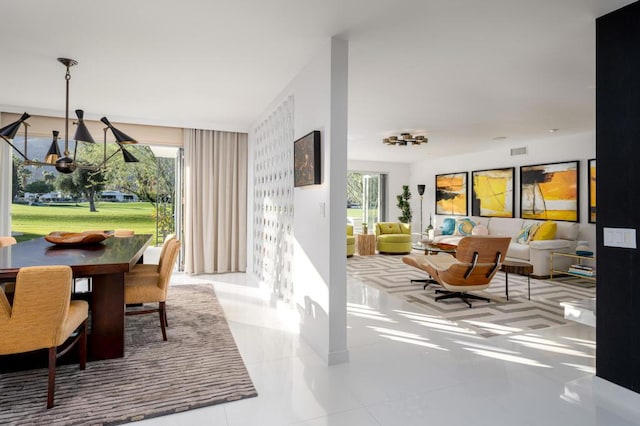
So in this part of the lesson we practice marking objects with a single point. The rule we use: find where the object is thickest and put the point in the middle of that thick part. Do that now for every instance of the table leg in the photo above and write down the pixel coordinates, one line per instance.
(107, 317)
(529, 285)
(506, 283)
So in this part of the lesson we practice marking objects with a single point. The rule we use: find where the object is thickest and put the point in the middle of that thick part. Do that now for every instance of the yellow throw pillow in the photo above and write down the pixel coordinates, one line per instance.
(546, 231)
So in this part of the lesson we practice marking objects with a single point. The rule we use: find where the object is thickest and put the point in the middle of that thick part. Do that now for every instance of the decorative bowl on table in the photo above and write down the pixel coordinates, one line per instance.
(65, 238)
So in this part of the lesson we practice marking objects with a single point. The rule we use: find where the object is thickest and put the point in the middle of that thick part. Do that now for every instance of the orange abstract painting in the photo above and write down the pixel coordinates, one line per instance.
(550, 191)
(451, 194)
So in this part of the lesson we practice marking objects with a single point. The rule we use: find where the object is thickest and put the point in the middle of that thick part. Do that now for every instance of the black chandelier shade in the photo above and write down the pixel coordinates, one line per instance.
(82, 133)
(128, 157)
(54, 150)
(121, 137)
(9, 131)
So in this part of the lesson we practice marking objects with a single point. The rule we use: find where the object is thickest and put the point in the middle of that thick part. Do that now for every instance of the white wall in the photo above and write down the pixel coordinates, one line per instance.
(554, 149)
(5, 188)
(398, 174)
(319, 265)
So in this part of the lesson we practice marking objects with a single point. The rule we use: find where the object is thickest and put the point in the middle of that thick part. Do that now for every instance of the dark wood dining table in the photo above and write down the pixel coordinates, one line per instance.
(105, 263)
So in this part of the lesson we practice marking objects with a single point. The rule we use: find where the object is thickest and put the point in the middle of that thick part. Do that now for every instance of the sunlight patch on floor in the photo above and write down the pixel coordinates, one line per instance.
(507, 357)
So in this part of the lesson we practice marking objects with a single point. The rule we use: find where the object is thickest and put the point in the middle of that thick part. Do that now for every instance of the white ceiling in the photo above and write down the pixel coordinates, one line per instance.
(461, 72)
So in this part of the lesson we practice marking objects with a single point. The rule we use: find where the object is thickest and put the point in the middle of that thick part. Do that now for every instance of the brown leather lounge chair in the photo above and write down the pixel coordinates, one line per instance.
(473, 267)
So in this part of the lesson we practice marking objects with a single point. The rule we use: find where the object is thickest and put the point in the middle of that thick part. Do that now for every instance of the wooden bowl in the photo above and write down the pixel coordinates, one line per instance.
(76, 238)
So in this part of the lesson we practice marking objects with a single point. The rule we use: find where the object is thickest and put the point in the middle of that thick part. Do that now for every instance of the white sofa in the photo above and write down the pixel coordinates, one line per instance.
(538, 253)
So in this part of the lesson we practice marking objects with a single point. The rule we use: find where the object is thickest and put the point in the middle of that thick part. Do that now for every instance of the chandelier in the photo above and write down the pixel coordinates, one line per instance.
(404, 140)
(64, 163)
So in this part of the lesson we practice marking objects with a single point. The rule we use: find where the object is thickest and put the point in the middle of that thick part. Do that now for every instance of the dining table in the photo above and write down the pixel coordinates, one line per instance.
(105, 263)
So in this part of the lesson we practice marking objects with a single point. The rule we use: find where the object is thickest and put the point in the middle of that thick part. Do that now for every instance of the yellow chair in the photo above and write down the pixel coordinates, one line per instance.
(152, 267)
(351, 241)
(43, 319)
(122, 233)
(7, 241)
(8, 288)
(393, 237)
(476, 262)
(151, 287)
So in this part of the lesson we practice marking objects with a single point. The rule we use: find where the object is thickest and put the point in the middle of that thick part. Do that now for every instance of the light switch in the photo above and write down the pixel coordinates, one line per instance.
(619, 237)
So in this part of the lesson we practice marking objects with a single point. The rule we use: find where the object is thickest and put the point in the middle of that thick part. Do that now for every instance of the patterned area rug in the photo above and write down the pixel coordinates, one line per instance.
(198, 366)
(499, 317)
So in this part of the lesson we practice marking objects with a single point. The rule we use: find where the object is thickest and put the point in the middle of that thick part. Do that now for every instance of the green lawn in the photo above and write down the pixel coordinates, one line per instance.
(38, 221)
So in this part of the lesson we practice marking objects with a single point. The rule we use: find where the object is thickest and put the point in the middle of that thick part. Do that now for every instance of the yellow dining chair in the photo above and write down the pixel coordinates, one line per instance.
(8, 288)
(7, 241)
(43, 316)
(154, 267)
(151, 287)
(123, 233)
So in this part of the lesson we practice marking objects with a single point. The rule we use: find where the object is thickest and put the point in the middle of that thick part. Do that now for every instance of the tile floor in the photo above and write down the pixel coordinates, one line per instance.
(408, 368)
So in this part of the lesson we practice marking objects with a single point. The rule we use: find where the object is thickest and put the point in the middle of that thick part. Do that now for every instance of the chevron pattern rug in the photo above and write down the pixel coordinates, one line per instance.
(198, 366)
(499, 317)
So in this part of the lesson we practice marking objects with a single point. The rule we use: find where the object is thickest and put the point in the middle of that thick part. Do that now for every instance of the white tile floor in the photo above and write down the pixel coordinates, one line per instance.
(408, 368)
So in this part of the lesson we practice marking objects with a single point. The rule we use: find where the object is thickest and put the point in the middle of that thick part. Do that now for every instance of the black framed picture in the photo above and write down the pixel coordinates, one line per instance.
(592, 190)
(550, 191)
(451, 194)
(306, 160)
(492, 192)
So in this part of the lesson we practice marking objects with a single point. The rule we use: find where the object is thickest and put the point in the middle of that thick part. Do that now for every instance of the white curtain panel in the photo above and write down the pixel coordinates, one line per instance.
(215, 201)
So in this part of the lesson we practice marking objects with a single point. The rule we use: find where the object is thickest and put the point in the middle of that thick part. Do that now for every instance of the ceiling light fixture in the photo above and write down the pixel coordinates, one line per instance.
(66, 164)
(405, 139)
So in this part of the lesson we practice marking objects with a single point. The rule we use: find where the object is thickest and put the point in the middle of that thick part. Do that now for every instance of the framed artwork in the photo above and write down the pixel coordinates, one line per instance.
(451, 194)
(592, 190)
(306, 160)
(492, 192)
(550, 191)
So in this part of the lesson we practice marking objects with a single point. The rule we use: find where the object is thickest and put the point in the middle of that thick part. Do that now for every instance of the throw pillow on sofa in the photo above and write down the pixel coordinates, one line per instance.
(480, 230)
(526, 233)
(464, 227)
(546, 231)
(448, 225)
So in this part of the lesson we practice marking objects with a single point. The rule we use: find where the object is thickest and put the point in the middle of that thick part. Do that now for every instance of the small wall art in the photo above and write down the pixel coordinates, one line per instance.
(306, 160)
(451, 194)
(492, 192)
(550, 191)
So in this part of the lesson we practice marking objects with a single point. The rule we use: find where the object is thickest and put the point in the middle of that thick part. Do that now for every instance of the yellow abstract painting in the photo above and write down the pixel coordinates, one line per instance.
(493, 193)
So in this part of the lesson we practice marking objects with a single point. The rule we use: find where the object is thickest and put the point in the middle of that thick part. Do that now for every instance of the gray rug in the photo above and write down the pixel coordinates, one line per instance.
(198, 366)
(499, 317)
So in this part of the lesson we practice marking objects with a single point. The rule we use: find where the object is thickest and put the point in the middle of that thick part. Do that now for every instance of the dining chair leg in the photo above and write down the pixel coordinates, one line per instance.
(163, 319)
(52, 376)
(83, 346)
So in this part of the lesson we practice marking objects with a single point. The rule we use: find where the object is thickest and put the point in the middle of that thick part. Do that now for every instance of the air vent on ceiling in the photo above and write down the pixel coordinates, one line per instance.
(519, 151)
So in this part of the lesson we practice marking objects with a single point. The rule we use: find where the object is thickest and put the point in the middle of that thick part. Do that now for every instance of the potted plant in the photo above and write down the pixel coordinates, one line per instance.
(403, 205)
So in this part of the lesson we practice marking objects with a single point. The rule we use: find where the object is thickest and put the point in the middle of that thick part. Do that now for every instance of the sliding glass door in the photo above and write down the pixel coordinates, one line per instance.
(366, 198)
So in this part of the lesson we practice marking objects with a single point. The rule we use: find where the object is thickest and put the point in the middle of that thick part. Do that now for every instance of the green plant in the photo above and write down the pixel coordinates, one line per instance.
(403, 204)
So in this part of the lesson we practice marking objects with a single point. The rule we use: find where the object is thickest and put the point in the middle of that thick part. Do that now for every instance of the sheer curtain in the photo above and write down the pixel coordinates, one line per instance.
(215, 201)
